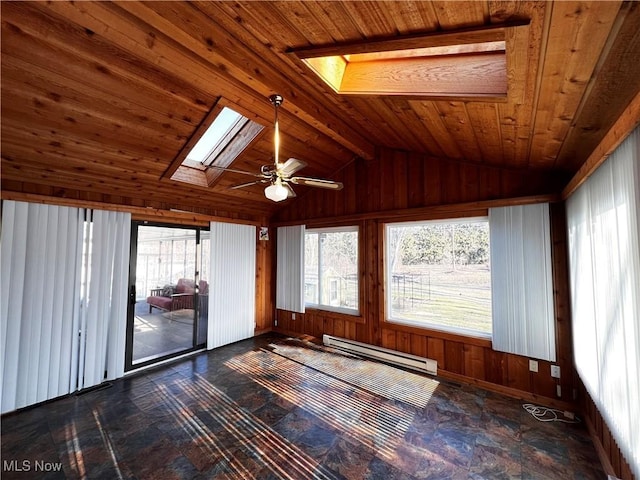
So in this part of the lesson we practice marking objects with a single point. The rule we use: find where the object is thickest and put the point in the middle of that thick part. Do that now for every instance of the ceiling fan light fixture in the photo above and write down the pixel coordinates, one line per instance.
(276, 191)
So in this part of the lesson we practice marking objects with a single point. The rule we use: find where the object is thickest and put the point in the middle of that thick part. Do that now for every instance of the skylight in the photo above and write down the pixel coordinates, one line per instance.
(476, 69)
(467, 63)
(203, 151)
(221, 137)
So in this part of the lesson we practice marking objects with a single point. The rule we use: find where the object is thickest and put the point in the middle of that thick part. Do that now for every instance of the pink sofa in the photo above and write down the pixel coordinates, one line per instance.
(170, 298)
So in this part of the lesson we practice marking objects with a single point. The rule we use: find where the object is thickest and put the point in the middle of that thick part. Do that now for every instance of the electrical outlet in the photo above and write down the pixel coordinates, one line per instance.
(533, 366)
(293, 316)
(558, 391)
(555, 371)
(276, 322)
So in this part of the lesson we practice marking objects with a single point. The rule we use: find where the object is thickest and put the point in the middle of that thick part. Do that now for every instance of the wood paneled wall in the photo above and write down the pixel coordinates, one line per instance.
(401, 182)
(398, 180)
(610, 456)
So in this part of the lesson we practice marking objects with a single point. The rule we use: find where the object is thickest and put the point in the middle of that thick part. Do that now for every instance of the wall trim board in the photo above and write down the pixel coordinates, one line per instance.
(508, 391)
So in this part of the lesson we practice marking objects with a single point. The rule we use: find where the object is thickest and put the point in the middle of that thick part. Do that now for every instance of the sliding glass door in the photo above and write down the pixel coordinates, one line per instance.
(168, 292)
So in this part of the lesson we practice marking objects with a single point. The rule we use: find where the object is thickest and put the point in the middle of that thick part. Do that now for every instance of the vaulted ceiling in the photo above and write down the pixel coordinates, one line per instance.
(99, 99)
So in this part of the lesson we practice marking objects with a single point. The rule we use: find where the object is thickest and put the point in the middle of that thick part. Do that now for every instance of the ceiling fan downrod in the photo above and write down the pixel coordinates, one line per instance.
(276, 100)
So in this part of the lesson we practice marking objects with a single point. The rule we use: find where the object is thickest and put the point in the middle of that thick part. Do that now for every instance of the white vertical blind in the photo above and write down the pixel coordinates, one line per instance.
(232, 292)
(290, 269)
(41, 250)
(604, 267)
(104, 316)
(50, 295)
(521, 281)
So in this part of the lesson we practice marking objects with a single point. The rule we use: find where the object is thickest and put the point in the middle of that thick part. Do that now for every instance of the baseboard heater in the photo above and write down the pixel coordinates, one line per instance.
(384, 354)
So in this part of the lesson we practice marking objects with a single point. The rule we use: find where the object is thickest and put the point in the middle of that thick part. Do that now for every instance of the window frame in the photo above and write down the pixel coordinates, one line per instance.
(439, 330)
(341, 310)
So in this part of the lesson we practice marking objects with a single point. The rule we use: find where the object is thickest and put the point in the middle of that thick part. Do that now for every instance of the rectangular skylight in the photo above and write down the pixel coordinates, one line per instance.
(470, 63)
(476, 69)
(216, 136)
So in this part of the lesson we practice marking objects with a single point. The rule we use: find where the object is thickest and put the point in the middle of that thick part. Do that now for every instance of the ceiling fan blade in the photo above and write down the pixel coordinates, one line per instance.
(232, 170)
(291, 166)
(317, 182)
(242, 185)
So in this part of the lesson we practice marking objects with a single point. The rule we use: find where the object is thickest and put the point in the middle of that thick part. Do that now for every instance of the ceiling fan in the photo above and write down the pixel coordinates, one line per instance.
(279, 175)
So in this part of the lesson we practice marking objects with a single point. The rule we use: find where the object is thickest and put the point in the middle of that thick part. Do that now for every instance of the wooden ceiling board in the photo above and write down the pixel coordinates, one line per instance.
(608, 93)
(98, 98)
(438, 134)
(466, 14)
(566, 71)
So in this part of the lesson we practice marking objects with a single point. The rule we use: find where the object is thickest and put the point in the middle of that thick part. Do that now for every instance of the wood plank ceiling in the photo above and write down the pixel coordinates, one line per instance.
(99, 98)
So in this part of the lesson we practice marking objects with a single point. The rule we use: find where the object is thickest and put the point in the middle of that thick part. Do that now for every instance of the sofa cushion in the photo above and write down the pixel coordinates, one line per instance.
(185, 286)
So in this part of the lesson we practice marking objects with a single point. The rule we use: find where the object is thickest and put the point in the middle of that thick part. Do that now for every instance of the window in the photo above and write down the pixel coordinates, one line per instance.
(451, 70)
(438, 275)
(470, 63)
(220, 139)
(331, 269)
(223, 126)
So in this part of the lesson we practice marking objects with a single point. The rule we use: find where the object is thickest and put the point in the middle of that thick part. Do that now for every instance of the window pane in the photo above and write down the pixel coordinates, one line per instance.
(331, 269)
(311, 292)
(439, 275)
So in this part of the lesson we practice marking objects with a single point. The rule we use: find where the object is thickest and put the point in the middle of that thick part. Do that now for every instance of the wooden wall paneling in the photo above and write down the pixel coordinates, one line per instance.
(518, 371)
(403, 342)
(363, 332)
(432, 182)
(386, 180)
(454, 357)
(419, 345)
(541, 382)
(338, 327)
(474, 361)
(308, 322)
(318, 325)
(450, 181)
(349, 195)
(350, 330)
(469, 184)
(400, 180)
(371, 201)
(388, 339)
(375, 308)
(435, 351)
(264, 293)
(415, 180)
(562, 302)
(496, 367)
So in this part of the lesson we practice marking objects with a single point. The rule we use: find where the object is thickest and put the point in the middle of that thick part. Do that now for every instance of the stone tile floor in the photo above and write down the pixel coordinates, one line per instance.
(269, 408)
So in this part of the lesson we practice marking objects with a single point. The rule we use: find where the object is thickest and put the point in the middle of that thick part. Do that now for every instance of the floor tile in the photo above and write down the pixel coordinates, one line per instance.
(281, 408)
